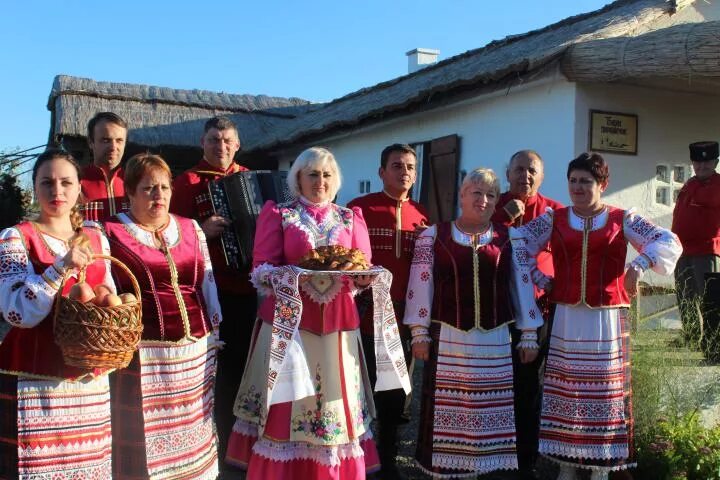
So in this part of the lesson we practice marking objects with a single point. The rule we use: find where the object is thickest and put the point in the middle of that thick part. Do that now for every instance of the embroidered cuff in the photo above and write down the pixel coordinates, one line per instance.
(421, 339)
(53, 277)
(529, 344)
(260, 278)
(419, 331)
(641, 263)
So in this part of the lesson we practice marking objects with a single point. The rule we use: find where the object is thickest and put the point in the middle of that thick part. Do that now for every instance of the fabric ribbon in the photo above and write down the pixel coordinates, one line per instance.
(288, 373)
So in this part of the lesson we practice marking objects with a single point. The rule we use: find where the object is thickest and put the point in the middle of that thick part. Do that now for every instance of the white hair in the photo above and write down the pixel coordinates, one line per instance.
(480, 176)
(313, 158)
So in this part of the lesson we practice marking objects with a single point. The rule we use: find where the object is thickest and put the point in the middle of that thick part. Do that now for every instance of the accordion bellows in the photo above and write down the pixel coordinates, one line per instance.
(334, 257)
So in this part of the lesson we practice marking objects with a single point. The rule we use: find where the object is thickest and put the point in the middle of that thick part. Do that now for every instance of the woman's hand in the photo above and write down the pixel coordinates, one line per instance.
(632, 278)
(78, 257)
(528, 355)
(363, 281)
(421, 351)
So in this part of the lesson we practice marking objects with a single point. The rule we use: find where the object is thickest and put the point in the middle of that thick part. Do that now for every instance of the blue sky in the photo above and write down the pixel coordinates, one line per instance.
(316, 50)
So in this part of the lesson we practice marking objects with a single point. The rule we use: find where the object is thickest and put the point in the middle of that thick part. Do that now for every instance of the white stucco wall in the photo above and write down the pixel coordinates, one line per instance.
(667, 122)
(490, 128)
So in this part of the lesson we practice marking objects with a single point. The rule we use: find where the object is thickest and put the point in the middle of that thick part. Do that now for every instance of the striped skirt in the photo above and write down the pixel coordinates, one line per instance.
(467, 414)
(586, 418)
(162, 413)
(55, 429)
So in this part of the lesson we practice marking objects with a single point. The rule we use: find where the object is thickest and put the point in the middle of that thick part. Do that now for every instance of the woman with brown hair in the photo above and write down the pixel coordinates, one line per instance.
(54, 419)
(162, 402)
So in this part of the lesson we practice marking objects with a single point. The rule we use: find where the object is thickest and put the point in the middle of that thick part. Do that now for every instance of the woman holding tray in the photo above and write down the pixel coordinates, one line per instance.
(162, 402)
(54, 419)
(314, 421)
(586, 420)
(461, 298)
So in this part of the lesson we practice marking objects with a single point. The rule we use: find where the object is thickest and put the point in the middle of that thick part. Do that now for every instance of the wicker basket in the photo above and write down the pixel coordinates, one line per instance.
(98, 337)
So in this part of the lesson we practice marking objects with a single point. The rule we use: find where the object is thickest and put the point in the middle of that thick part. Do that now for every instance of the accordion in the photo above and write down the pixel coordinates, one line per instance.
(239, 198)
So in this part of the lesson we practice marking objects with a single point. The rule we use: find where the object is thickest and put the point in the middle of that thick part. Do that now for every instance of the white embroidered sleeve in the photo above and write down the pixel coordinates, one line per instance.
(260, 278)
(522, 293)
(419, 296)
(527, 241)
(26, 297)
(209, 288)
(658, 247)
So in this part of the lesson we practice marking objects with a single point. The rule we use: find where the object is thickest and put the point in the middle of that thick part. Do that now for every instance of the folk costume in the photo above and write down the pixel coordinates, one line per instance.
(305, 405)
(461, 299)
(392, 227)
(586, 418)
(104, 196)
(696, 222)
(528, 376)
(236, 293)
(54, 419)
(162, 402)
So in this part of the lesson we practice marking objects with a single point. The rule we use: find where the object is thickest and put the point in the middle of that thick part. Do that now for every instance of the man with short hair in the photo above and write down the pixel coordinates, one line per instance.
(696, 222)
(102, 181)
(393, 220)
(220, 142)
(519, 205)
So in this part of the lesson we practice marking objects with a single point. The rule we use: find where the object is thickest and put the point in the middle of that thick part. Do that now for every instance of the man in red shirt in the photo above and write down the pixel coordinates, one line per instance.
(220, 143)
(393, 220)
(519, 205)
(696, 222)
(102, 181)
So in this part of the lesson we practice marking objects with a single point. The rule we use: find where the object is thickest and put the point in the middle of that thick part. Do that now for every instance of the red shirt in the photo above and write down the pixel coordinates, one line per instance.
(104, 197)
(696, 218)
(391, 225)
(534, 207)
(191, 199)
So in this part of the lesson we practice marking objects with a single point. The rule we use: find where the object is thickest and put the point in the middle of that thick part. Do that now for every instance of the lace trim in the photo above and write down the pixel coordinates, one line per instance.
(508, 462)
(245, 428)
(331, 455)
(529, 344)
(421, 339)
(260, 278)
(590, 452)
(597, 468)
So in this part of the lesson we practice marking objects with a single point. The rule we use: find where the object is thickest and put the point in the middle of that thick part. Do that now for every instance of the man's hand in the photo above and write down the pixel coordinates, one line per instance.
(515, 209)
(214, 226)
(421, 351)
(632, 278)
(528, 355)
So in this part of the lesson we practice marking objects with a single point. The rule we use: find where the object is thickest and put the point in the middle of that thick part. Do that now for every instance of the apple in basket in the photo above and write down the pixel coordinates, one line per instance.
(81, 292)
(128, 298)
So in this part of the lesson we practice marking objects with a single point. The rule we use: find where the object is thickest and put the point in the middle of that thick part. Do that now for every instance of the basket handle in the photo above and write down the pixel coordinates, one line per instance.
(97, 256)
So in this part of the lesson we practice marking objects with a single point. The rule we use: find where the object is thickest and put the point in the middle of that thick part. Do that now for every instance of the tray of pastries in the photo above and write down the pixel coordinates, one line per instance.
(334, 258)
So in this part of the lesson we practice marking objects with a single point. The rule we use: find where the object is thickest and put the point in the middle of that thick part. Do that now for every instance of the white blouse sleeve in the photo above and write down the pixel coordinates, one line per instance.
(527, 241)
(659, 248)
(26, 297)
(209, 287)
(105, 250)
(419, 296)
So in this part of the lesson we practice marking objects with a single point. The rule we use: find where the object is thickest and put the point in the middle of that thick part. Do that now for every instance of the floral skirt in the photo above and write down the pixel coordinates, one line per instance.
(326, 435)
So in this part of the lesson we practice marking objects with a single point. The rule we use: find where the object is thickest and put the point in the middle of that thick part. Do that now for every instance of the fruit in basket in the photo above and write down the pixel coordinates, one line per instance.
(112, 300)
(128, 298)
(82, 292)
(101, 290)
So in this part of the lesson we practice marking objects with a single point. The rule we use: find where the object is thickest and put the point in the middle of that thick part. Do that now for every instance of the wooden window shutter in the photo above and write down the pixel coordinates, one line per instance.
(440, 178)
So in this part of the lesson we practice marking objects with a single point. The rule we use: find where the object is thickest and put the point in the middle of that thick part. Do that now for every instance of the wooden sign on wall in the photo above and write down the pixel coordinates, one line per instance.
(613, 132)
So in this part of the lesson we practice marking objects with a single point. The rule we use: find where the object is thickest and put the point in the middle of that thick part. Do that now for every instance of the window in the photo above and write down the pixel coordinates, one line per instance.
(364, 186)
(662, 174)
(662, 195)
(679, 173)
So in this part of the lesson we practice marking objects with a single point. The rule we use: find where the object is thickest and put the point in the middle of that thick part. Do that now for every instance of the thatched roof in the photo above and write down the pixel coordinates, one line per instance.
(500, 64)
(164, 116)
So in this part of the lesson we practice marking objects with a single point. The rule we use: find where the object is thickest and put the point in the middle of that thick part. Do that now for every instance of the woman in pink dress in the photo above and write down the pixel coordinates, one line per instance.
(321, 432)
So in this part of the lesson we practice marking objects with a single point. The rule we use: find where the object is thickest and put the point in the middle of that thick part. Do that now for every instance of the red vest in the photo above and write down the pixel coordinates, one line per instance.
(103, 196)
(171, 286)
(191, 199)
(454, 278)
(32, 352)
(589, 265)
